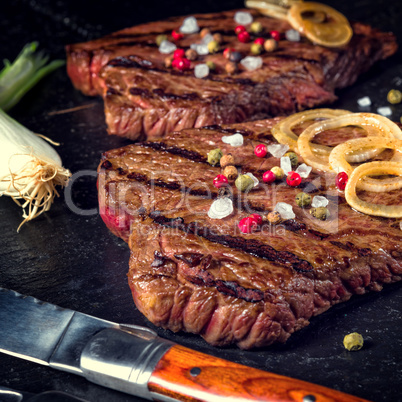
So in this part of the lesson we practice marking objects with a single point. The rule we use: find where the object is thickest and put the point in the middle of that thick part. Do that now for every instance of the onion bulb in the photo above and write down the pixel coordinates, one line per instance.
(30, 169)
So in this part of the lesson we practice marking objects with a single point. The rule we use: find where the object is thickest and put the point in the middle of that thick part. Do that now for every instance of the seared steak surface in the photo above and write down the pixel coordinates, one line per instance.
(144, 97)
(201, 275)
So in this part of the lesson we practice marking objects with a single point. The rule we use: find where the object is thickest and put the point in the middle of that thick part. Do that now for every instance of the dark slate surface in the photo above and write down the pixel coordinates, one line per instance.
(70, 258)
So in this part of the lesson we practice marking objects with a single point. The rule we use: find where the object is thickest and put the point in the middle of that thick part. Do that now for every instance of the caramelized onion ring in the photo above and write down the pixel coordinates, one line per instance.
(334, 32)
(372, 168)
(374, 124)
(338, 163)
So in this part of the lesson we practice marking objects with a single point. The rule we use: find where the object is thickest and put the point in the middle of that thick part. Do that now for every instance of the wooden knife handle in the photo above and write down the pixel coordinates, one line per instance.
(187, 375)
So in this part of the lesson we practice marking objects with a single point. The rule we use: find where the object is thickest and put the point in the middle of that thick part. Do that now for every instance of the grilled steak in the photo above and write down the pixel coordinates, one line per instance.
(201, 275)
(142, 96)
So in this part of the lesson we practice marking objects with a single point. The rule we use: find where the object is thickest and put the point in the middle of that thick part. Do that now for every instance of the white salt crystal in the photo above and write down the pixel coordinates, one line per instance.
(278, 150)
(319, 201)
(251, 63)
(207, 38)
(167, 47)
(201, 70)
(243, 18)
(292, 35)
(286, 165)
(201, 49)
(364, 102)
(235, 140)
(255, 180)
(220, 208)
(385, 111)
(189, 26)
(285, 210)
(304, 170)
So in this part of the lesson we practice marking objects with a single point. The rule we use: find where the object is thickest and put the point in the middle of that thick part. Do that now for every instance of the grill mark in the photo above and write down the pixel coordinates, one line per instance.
(250, 246)
(161, 146)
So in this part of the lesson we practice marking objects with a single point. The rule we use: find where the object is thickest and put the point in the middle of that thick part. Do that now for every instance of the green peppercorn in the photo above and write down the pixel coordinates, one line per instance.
(256, 48)
(321, 213)
(256, 27)
(160, 38)
(213, 46)
(274, 217)
(214, 156)
(278, 172)
(353, 341)
(303, 200)
(294, 159)
(211, 65)
(394, 96)
(244, 183)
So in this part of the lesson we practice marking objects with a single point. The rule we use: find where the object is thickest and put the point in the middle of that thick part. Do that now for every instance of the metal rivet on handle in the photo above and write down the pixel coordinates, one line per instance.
(309, 398)
(195, 371)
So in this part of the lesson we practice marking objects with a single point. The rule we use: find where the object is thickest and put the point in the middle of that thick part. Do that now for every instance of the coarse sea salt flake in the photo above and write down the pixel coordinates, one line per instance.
(278, 150)
(189, 26)
(304, 170)
(201, 70)
(319, 201)
(384, 111)
(201, 49)
(235, 140)
(255, 180)
(251, 63)
(206, 39)
(285, 210)
(167, 47)
(286, 165)
(292, 35)
(364, 102)
(243, 18)
(220, 208)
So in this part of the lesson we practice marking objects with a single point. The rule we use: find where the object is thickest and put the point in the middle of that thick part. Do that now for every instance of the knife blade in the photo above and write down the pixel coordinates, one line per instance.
(135, 360)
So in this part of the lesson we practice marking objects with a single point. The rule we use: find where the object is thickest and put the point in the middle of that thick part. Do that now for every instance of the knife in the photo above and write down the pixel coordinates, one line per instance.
(135, 360)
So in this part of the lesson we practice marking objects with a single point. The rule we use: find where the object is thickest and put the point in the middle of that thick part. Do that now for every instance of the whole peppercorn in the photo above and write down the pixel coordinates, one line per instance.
(230, 172)
(227, 160)
(394, 96)
(213, 46)
(257, 218)
(268, 177)
(244, 183)
(256, 27)
(247, 225)
(178, 53)
(220, 181)
(294, 159)
(256, 48)
(274, 217)
(211, 65)
(227, 52)
(321, 213)
(260, 150)
(341, 180)
(214, 156)
(235, 56)
(239, 29)
(168, 61)
(270, 45)
(181, 64)
(204, 32)
(160, 38)
(244, 37)
(275, 35)
(303, 200)
(177, 35)
(191, 54)
(353, 341)
(260, 41)
(230, 67)
(278, 172)
(217, 37)
(293, 179)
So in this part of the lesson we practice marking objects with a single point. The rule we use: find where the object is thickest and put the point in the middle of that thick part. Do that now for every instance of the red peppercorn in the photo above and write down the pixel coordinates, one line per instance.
(244, 37)
(220, 181)
(227, 51)
(341, 180)
(181, 64)
(293, 179)
(247, 225)
(240, 28)
(179, 54)
(260, 41)
(275, 35)
(260, 150)
(257, 218)
(177, 35)
(268, 177)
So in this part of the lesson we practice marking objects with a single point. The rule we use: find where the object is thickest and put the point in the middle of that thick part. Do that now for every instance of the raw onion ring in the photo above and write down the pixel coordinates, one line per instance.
(338, 163)
(272, 8)
(372, 168)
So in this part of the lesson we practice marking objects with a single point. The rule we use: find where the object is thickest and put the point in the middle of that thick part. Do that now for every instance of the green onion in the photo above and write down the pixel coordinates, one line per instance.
(17, 78)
